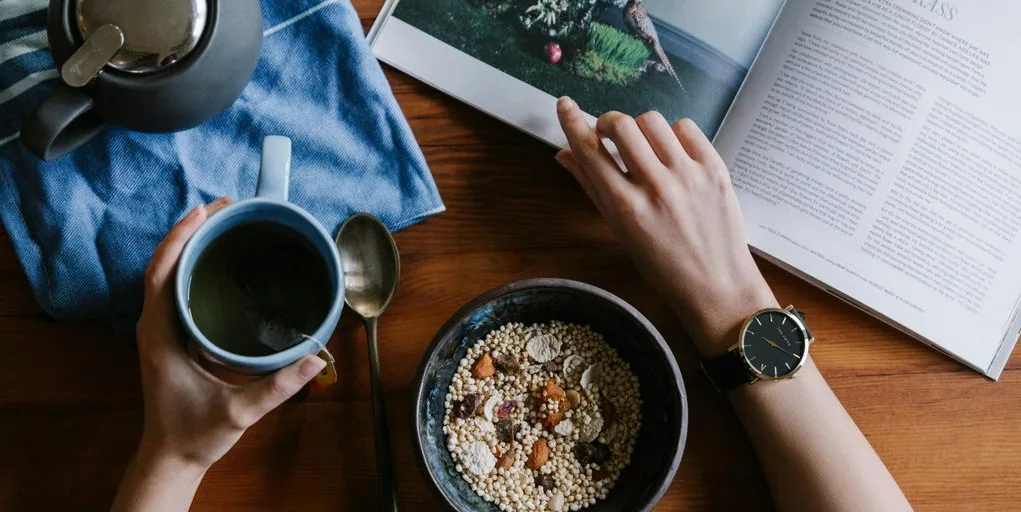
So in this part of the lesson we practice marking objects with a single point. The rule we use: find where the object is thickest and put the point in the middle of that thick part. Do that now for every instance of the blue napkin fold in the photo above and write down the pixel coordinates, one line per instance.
(84, 226)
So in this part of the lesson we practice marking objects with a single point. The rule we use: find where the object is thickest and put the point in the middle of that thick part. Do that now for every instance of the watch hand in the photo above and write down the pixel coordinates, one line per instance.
(778, 347)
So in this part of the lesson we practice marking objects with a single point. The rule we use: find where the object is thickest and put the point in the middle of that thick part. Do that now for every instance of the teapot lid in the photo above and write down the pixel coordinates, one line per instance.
(157, 33)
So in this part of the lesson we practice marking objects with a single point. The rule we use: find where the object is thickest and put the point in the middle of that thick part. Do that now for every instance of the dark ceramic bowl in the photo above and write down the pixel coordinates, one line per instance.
(664, 427)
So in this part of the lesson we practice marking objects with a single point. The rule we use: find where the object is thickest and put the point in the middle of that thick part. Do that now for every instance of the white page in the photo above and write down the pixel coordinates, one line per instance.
(875, 148)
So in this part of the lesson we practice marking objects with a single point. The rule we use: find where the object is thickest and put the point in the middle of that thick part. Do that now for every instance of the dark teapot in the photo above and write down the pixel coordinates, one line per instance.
(146, 65)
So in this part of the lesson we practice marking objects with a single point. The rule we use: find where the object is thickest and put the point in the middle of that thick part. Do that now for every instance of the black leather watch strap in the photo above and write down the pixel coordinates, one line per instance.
(728, 371)
(801, 315)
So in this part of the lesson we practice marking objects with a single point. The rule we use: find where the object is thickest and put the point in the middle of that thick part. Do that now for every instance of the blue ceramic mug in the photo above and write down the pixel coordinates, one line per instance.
(269, 205)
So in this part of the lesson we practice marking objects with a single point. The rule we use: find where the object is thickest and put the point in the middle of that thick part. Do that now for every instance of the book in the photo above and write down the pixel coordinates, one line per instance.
(874, 145)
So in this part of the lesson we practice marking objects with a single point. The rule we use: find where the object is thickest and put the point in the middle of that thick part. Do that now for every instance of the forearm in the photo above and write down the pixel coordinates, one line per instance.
(155, 483)
(812, 453)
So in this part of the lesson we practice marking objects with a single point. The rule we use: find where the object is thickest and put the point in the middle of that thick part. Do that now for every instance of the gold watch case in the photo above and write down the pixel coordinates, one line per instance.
(790, 313)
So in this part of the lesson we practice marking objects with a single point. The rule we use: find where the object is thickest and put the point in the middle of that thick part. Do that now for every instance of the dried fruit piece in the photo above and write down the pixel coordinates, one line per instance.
(588, 453)
(588, 432)
(507, 363)
(539, 455)
(564, 428)
(545, 481)
(589, 376)
(553, 392)
(552, 420)
(477, 458)
(573, 397)
(506, 460)
(608, 411)
(484, 367)
(543, 348)
(467, 406)
(506, 409)
(489, 409)
(506, 430)
(601, 452)
(600, 474)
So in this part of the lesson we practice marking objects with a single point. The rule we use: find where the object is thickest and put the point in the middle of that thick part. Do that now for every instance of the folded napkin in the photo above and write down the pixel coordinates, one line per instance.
(84, 226)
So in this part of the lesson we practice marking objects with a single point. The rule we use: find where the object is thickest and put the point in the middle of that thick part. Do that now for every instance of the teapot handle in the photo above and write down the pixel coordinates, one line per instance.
(61, 124)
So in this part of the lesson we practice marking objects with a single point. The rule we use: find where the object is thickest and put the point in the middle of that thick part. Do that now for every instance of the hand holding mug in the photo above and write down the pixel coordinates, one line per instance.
(191, 416)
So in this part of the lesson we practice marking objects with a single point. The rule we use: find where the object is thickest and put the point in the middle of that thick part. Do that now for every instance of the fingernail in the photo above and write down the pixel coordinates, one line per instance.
(564, 104)
(560, 160)
(220, 201)
(310, 367)
(192, 214)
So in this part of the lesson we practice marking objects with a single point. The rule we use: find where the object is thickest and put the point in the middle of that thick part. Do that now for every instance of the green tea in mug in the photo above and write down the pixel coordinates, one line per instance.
(259, 288)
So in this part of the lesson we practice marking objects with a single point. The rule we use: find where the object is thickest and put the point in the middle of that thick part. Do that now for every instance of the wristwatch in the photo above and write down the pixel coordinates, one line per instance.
(772, 344)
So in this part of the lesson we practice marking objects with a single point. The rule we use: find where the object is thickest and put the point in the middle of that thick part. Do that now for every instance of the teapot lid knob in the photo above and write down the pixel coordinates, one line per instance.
(157, 33)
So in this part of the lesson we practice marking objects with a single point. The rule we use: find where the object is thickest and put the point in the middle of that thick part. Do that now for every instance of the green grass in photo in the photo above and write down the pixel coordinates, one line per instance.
(611, 57)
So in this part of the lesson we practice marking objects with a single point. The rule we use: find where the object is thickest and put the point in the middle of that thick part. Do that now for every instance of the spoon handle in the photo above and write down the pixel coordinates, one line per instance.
(384, 457)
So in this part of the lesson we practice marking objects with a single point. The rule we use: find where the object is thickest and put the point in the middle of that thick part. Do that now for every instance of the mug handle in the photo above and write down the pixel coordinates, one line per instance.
(275, 172)
(60, 124)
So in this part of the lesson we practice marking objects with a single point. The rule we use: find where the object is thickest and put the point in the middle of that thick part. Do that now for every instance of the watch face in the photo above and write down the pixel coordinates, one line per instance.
(774, 344)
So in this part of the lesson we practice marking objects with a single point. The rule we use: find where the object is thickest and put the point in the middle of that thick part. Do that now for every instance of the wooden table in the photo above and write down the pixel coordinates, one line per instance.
(70, 405)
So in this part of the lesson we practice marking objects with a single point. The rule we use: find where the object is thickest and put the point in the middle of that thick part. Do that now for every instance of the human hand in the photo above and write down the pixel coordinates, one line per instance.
(192, 417)
(676, 214)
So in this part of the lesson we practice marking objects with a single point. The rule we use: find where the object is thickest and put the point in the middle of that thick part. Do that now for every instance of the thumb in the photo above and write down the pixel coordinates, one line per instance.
(265, 394)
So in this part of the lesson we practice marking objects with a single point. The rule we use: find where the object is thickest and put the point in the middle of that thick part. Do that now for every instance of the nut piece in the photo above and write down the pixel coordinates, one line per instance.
(553, 392)
(589, 376)
(573, 397)
(556, 503)
(484, 367)
(489, 409)
(540, 454)
(571, 365)
(506, 460)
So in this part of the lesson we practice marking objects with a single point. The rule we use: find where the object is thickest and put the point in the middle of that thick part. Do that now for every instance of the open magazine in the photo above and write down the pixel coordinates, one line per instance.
(875, 145)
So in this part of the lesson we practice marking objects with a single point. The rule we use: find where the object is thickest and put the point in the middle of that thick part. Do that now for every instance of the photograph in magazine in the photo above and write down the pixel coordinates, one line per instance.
(685, 58)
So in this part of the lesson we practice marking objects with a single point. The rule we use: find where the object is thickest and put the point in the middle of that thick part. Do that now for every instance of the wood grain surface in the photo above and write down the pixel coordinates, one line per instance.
(71, 411)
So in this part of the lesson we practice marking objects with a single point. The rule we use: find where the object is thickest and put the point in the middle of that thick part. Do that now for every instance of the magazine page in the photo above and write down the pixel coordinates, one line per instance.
(876, 148)
(513, 58)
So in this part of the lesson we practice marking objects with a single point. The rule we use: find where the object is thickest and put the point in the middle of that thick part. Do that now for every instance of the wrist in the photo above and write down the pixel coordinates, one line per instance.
(717, 323)
(153, 458)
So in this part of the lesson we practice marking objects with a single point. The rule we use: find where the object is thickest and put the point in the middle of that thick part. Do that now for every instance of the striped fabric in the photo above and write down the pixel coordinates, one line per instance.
(84, 226)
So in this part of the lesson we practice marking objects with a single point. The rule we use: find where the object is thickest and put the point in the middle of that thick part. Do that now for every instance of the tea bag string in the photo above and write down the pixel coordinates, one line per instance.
(322, 346)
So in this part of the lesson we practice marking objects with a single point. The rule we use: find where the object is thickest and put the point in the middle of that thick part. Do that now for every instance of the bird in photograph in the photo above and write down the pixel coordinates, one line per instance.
(638, 22)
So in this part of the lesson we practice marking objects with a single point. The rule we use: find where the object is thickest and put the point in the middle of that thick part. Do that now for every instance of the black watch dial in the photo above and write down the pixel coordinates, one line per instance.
(774, 344)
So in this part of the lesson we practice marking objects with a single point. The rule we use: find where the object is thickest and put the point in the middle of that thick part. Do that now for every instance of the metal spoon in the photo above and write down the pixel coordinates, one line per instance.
(371, 270)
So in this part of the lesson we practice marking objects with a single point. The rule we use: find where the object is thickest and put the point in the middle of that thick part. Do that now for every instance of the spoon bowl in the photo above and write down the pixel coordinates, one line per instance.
(372, 265)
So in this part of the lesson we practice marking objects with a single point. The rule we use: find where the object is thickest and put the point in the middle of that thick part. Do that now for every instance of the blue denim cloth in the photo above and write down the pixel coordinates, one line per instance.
(84, 226)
